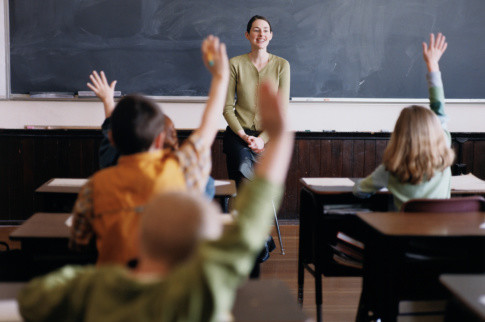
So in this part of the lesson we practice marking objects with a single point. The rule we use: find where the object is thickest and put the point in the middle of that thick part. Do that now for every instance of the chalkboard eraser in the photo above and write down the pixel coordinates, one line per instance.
(91, 94)
(51, 94)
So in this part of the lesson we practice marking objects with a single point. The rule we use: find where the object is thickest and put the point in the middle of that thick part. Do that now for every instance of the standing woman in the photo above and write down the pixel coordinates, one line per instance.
(244, 138)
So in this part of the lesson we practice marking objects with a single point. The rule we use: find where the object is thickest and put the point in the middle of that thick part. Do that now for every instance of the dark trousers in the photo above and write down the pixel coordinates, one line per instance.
(240, 158)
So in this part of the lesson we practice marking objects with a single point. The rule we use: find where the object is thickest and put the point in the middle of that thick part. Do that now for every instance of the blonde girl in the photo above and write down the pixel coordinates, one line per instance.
(416, 163)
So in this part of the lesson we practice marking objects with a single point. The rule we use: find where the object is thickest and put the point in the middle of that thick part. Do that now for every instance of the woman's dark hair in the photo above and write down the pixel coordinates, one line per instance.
(254, 18)
(135, 123)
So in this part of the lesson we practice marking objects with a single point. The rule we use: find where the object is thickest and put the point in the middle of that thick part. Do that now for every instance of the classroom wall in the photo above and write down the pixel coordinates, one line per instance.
(311, 116)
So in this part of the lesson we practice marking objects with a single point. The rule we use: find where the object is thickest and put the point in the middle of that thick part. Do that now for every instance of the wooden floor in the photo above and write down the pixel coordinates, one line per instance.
(340, 294)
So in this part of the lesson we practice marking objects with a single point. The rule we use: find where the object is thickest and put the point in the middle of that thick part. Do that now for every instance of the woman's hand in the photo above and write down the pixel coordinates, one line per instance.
(103, 90)
(215, 57)
(256, 144)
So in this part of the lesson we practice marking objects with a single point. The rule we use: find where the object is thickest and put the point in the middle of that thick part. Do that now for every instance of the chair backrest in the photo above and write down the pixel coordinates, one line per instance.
(461, 204)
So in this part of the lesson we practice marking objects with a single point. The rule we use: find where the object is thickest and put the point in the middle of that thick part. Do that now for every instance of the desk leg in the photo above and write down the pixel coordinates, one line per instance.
(305, 213)
(301, 269)
(225, 205)
(318, 294)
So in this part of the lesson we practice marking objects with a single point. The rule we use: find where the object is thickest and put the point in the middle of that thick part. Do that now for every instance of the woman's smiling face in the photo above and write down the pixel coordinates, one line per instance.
(260, 34)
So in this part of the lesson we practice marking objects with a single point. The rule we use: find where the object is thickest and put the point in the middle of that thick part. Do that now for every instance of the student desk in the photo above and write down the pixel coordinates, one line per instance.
(390, 239)
(50, 231)
(44, 238)
(468, 297)
(43, 231)
(260, 300)
(59, 194)
(318, 228)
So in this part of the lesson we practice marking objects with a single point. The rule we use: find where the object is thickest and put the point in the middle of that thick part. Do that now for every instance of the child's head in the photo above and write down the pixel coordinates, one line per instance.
(173, 224)
(135, 124)
(417, 147)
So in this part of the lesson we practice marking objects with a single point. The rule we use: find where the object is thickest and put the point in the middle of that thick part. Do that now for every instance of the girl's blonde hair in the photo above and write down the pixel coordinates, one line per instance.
(417, 147)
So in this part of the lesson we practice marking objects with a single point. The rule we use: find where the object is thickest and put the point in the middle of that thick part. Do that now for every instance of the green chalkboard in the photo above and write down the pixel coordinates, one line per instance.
(336, 48)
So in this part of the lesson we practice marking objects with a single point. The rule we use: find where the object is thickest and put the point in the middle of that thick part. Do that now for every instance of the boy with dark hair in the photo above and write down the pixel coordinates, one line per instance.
(109, 205)
(185, 273)
(136, 122)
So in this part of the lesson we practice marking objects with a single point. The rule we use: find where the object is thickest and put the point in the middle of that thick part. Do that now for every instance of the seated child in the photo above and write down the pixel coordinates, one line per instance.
(109, 154)
(180, 276)
(417, 160)
(109, 205)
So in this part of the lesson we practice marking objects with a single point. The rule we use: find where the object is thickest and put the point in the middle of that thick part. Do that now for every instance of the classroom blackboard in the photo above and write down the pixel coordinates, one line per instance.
(336, 48)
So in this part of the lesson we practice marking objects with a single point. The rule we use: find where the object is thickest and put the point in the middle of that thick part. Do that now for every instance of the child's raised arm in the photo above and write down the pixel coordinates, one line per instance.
(432, 54)
(215, 60)
(434, 51)
(274, 163)
(103, 90)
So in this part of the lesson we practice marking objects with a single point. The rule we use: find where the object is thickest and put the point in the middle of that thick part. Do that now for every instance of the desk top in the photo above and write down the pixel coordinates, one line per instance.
(464, 184)
(62, 185)
(224, 188)
(43, 225)
(257, 300)
(469, 289)
(420, 224)
(56, 225)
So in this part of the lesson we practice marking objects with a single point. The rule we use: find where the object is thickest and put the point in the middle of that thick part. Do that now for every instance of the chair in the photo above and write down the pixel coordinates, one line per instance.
(278, 229)
(423, 260)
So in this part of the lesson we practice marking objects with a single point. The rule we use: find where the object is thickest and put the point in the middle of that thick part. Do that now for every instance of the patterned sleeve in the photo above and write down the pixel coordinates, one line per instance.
(194, 158)
(82, 230)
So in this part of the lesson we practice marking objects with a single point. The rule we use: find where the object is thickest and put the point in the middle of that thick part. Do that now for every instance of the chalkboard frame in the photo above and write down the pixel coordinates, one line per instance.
(171, 98)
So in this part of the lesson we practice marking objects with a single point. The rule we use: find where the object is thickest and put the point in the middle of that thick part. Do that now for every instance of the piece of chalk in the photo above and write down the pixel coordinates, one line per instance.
(209, 59)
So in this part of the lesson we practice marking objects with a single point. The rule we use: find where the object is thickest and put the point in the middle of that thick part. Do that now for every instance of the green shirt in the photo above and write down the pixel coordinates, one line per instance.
(201, 289)
(244, 82)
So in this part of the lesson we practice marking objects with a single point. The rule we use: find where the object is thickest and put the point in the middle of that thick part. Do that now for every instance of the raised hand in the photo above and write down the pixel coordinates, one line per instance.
(273, 116)
(276, 157)
(215, 57)
(103, 90)
(434, 51)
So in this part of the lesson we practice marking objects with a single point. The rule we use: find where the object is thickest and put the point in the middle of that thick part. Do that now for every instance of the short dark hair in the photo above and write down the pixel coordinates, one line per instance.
(135, 123)
(254, 18)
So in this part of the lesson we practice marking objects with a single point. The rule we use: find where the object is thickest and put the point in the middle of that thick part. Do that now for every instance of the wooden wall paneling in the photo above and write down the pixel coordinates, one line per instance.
(358, 158)
(292, 188)
(11, 175)
(219, 168)
(380, 147)
(325, 158)
(47, 161)
(307, 155)
(24, 200)
(347, 158)
(72, 157)
(479, 159)
(467, 155)
(369, 157)
(32, 157)
(335, 166)
(90, 164)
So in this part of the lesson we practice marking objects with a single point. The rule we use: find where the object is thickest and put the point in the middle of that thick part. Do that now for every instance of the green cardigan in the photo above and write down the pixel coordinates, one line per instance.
(201, 289)
(244, 81)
